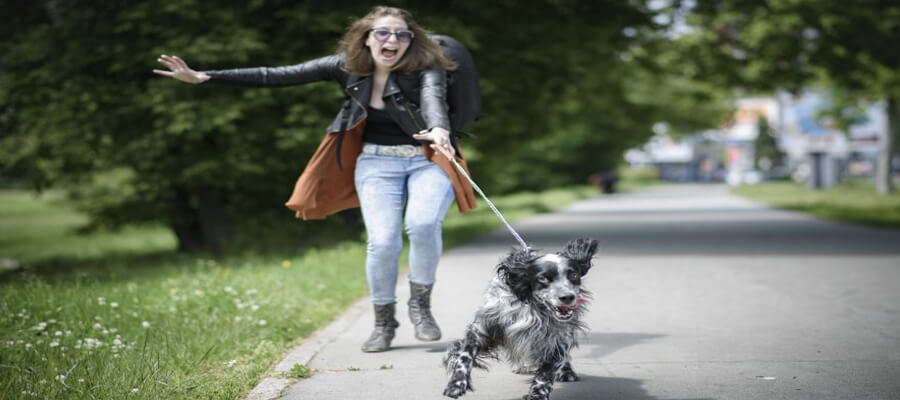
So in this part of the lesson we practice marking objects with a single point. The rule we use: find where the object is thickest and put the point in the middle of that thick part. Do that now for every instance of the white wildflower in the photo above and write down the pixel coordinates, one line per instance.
(54, 343)
(254, 307)
(262, 322)
(135, 391)
(101, 301)
(114, 305)
(27, 345)
(61, 378)
(198, 292)
(98, 327)
(80, 380)
(41, 326)
(230, 290)
(145, 324)
(57, 333)
(230, 363)
(89, 343)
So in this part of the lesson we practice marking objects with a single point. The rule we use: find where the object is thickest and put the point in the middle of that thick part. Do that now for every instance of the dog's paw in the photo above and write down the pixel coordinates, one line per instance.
(535, 396)
(457, 386)
(567, 376)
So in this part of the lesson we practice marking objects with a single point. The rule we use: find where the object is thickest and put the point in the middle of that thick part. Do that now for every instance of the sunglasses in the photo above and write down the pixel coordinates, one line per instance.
(382, 35)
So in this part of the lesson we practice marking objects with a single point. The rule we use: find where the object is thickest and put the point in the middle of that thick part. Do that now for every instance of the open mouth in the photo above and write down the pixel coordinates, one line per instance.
(389, 53)
(564, 312)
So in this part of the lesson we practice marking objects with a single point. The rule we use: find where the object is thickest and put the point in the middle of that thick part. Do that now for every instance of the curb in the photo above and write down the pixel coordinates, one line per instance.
(272, 387)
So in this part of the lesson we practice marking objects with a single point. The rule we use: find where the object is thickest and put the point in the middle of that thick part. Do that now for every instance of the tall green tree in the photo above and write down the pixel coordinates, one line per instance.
(82, 108)
(789, 44)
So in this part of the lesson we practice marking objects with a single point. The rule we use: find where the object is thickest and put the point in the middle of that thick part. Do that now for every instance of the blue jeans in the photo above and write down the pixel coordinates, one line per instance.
(384, 185)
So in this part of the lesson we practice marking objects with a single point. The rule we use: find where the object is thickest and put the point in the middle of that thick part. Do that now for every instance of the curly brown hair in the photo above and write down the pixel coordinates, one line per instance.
(423, 53)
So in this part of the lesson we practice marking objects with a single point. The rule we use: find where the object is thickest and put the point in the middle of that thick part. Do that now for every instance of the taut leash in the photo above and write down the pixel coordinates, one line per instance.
(484, 196)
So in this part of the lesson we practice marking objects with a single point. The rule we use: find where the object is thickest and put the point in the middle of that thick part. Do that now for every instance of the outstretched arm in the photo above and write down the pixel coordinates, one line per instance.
(325, 68)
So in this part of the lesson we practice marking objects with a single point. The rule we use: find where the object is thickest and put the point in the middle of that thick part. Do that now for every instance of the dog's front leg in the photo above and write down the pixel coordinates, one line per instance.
(542, 384)
(566, 374)
(459, 361)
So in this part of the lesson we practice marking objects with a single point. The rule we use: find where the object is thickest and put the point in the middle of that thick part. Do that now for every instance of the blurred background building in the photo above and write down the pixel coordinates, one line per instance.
(810, 144)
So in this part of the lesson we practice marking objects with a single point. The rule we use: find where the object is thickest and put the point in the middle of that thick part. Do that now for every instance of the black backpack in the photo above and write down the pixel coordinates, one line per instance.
(463, 93)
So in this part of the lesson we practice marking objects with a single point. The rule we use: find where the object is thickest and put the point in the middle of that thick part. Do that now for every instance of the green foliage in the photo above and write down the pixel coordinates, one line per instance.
(766, 147)
(299, 371)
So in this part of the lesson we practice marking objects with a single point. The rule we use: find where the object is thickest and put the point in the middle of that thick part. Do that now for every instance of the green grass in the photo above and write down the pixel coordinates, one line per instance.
(853, 201)
(110, 315)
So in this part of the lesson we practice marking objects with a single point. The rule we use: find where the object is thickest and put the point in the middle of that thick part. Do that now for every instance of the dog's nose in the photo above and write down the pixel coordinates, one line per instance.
(567, 299)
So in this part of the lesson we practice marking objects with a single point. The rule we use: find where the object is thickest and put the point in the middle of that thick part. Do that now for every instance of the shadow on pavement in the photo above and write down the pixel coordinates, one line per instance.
(603, 344)
(601, 387)
(435, 347)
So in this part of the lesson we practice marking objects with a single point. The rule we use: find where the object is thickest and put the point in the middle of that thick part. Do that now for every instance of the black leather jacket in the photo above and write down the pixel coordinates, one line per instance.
(415, 101)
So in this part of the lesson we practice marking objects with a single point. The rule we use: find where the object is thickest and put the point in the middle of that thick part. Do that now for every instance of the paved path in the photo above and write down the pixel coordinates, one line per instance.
(698, 295)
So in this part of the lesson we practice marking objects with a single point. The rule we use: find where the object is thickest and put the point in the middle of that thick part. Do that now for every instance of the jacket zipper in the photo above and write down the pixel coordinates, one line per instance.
(413, 117)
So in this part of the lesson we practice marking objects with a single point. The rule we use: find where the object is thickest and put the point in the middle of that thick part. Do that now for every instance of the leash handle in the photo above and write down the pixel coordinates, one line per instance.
(481, 192)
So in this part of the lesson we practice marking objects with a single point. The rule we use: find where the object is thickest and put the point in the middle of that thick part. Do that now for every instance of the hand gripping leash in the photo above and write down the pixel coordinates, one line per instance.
(452, 159)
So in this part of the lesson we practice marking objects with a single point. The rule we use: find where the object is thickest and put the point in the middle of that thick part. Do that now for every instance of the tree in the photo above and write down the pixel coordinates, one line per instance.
(82, 108)
(766, 148)
(769, 44)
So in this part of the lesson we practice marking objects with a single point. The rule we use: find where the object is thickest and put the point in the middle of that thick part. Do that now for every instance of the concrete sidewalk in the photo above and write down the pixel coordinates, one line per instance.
(698, 295)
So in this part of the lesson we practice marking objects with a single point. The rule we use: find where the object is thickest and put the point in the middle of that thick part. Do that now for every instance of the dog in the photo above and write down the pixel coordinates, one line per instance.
(532, 311)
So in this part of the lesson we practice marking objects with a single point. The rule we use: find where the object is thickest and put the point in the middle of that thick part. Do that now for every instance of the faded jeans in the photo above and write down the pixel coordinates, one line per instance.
(384, 185)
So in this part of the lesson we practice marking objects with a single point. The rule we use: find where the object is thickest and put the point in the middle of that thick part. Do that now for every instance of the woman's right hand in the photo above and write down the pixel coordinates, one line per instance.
(178, 69)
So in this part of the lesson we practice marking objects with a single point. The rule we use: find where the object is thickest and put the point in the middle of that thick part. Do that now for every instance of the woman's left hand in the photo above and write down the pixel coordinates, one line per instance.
(440, 141)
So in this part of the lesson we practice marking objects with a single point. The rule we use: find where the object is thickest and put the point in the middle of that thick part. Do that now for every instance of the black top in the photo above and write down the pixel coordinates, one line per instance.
(381, 129)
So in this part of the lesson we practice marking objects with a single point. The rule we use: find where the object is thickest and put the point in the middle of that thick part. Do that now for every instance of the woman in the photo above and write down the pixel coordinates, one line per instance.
(372, 157)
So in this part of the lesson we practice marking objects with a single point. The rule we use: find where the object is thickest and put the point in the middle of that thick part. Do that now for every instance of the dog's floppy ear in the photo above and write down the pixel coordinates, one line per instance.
(515, 271)
(580, 251)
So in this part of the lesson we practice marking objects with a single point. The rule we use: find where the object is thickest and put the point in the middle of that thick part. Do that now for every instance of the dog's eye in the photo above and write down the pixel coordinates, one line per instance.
(542, 279)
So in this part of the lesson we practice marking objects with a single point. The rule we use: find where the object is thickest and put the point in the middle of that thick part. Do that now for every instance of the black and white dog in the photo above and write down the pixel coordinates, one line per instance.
(532, 311)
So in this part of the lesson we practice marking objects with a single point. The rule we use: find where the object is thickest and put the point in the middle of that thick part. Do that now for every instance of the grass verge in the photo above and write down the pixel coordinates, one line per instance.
(121, 315)
(853, 201)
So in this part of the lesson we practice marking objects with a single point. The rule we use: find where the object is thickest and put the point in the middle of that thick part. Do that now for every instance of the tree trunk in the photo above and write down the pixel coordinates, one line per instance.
(885, 172)
(199, 221)
(184, 223)
(213, 220)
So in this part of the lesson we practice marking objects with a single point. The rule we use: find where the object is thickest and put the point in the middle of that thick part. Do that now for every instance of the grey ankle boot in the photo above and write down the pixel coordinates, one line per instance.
(426, 327)
(385, 325)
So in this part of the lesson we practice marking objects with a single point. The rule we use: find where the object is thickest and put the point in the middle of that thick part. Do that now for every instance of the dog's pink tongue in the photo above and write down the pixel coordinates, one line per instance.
(579, 301)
